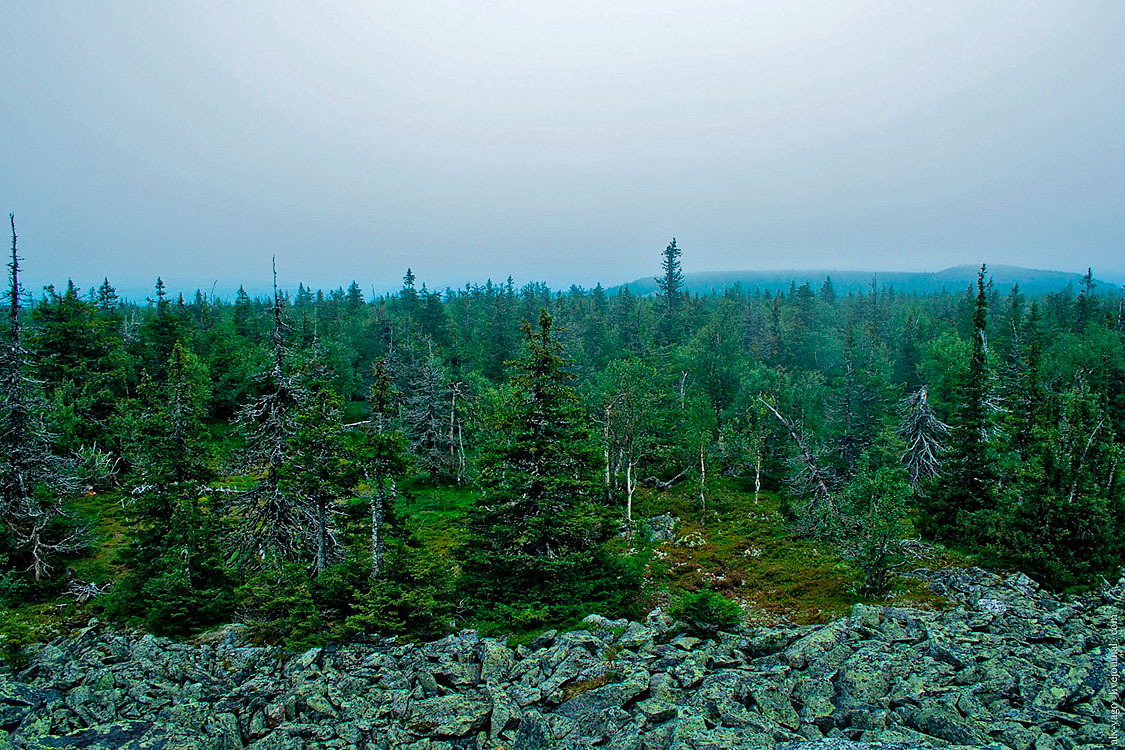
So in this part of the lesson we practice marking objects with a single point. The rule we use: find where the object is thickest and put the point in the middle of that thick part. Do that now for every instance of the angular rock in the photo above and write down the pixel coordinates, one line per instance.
(456, 715)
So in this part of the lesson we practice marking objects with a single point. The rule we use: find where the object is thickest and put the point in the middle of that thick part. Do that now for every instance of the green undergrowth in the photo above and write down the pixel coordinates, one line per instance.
(41, 611)
(745, 550)
(436, 515)
(738, 548)
(106, 518)
(33, 623)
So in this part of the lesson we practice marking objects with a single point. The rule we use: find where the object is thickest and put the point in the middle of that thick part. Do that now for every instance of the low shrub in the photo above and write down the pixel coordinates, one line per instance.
(706, 612)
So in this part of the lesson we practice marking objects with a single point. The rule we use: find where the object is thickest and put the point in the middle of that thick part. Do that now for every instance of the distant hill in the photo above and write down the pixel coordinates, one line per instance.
(1031, 280)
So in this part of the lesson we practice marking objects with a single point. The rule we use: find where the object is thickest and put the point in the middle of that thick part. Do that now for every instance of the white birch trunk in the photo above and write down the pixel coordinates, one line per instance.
(630, 486)
(702, 478)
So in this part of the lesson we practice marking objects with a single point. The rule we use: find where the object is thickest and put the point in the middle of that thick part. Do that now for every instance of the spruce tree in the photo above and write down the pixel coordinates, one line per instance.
(409, 295)
(408, 587)
(1063, 506)
(81, 366)
(383, 456)
(426, 416)
(533, 553)
(322, 468)
(355, 299)
(243, 313)
(965, 503)
(159, 332)
(671, 292)
(1087, 304)
(106, 299)
(873, 523)
(176, 581)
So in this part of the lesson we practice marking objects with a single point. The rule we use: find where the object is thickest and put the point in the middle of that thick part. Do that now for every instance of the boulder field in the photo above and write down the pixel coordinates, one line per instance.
(1011, 666)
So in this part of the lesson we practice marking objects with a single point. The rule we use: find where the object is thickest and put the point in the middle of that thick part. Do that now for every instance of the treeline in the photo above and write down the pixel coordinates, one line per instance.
(261, 444)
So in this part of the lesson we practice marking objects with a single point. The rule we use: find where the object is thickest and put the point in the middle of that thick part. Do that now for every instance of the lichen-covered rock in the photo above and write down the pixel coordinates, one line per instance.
(455, 715)
(17, 700)
(1011, 667)
(661, 528)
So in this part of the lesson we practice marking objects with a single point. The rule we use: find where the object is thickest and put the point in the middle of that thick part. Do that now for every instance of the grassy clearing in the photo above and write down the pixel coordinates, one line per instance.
(106, 515)
(739, 548)
(436, 514)
(743, 550)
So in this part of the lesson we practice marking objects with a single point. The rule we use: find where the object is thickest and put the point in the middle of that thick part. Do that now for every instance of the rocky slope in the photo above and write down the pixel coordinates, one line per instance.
(1010, 667)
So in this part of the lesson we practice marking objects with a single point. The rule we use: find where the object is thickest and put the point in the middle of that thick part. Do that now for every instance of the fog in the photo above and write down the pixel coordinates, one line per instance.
(565, 142)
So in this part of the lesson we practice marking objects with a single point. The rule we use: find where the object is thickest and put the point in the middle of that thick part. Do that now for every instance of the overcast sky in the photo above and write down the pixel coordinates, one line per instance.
(560, 141)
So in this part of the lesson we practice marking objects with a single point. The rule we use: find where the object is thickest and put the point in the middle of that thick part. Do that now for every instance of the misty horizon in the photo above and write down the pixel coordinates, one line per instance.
(563, 144)
(139, 292)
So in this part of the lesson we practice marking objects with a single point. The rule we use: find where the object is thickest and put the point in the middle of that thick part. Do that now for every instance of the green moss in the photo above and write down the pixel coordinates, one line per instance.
(740, 549)
(746, 552)
(106, 515)
(436, 515)
(29, 624)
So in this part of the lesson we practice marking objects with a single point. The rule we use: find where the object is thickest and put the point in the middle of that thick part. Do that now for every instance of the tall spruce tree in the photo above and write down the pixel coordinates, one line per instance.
(243, 313)
(964, 506)
(322, 469)
(533, 553)
(106, 299)
(671, 285)
(176, 581)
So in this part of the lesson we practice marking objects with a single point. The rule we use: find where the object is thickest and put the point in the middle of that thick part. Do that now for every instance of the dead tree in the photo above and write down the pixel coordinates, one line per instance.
(32, 478)
(272, 522)
(921, 431)
(456, 433)
(812, 478)
(702, 476)
(431, 434)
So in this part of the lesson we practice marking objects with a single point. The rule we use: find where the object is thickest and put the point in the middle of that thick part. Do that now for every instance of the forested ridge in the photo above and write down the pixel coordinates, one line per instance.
(185, 462)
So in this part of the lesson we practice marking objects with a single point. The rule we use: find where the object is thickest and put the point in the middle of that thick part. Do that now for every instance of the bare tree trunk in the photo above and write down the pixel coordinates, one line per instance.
(452, 413)
(378, 544)
(321, 534)
(1082, 460)
(630, 486)
(605, 451)
(702, 478)
(460, 454)
(665, 485)
(757, 473)
(1121, 311)
(14, 302)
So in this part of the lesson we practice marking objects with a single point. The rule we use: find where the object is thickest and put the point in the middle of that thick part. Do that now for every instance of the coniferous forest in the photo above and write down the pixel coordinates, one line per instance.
(321, 465)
